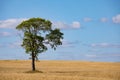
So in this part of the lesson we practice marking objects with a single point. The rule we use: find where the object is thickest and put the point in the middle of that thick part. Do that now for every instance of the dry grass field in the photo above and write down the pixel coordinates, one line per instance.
(59, 70)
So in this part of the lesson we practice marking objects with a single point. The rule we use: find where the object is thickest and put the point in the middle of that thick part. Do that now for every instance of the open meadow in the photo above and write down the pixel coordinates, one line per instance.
(59, 70)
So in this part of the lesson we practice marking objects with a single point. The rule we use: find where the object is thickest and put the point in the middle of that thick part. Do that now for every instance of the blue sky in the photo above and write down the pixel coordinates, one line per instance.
(91, 28)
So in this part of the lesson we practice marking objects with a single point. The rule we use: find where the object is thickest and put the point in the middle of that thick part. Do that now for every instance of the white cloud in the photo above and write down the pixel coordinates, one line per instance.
(10, 23)
(62, 25)
(105, 45)
(116, 19)
(103, 19)
(100, 45)
(76, 24)
(5, 34)
(91, 55)
(87, 19)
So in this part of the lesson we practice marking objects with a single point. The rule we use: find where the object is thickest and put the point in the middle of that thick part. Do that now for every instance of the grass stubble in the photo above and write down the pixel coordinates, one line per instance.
(59, 70)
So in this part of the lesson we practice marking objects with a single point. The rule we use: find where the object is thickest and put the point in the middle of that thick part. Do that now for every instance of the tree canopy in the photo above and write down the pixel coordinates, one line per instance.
(38, 34)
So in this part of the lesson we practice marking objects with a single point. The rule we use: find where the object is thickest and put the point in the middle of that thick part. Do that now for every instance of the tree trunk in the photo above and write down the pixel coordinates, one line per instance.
(33, 62)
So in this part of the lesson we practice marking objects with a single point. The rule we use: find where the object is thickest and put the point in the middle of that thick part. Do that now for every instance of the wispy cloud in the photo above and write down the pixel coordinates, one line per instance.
(10, 23)
(104, 19)
(62, 25)
(102, 55)
(5, 34)
(87, 19)
(91, 55)
(15, 44)
(105, 45)
(76, 24)
(66, 43)
(116, 19)
(11, 44)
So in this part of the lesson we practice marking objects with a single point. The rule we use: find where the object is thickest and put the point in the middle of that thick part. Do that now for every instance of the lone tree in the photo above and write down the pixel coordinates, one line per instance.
(38, 34)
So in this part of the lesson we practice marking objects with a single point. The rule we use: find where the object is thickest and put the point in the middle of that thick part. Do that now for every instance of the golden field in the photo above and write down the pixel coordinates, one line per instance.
(59, 70)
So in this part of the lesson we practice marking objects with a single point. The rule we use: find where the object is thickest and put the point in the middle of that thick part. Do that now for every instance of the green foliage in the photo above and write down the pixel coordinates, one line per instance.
(54, 38)
(37, 33)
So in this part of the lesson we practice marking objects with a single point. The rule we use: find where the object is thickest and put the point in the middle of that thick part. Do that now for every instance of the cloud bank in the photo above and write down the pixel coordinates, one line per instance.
(12, 23)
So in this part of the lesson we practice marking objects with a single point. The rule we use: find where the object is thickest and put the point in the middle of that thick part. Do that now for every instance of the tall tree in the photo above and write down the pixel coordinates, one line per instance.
(38, 33)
